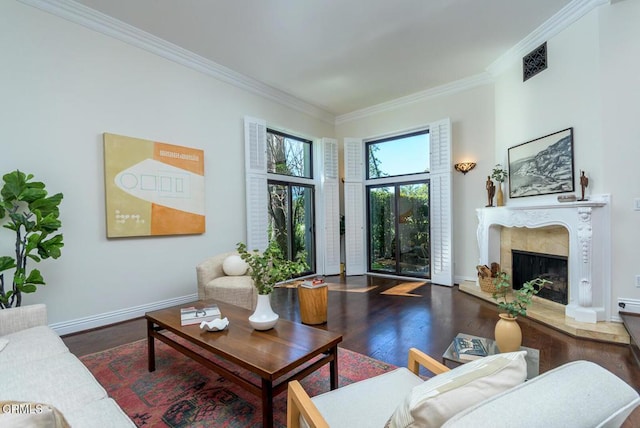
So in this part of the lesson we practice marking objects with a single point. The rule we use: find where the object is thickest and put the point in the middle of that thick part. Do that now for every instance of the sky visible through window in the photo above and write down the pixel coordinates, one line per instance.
(404, 156)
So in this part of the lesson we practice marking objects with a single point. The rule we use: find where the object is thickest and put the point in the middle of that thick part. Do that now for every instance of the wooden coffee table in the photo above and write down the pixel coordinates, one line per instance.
(271, 354)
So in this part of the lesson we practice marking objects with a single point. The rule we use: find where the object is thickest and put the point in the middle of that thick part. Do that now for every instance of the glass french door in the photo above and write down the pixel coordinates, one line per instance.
(291, 220)
(398, 222)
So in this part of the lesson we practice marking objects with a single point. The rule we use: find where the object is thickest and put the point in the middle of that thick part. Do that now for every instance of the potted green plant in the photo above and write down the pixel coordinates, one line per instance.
(507, 332)
(521, 299)
(267, 268)
(26, 210)
(500, 175)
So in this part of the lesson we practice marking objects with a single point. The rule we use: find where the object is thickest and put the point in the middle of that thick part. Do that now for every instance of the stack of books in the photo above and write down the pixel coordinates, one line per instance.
(313, 283)
(192, 315)
(469, 349)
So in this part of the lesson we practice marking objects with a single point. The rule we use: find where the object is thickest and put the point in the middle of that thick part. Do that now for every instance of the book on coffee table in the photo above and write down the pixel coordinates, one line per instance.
(469, 349)
(193, 315)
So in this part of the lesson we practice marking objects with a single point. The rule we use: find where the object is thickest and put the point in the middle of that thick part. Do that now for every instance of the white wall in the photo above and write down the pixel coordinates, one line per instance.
(592, 85)
(472, 119)
(562, 96)
(62, 87)
(620, 140)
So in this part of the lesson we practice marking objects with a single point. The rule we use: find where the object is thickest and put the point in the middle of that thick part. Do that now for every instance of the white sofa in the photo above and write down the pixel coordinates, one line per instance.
(490, 393)
(38, 373)
(213, 283)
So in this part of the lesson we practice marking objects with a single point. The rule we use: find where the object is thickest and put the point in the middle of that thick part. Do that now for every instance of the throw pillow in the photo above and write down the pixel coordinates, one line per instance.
(438, 399)
(233, 265)
(3, 343)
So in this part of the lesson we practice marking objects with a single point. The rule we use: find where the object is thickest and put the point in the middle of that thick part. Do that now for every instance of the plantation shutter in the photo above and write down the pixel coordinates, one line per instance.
(331, 201)
(354, 209)
(440, 203)
(255, 146)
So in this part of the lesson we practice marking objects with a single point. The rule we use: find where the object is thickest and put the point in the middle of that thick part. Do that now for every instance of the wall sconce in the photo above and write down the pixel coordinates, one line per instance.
(464, 167)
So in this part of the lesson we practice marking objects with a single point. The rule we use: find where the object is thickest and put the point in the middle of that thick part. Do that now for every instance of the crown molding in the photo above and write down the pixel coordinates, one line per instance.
(446, 89)
(553, 26)
(568, 15)
(97, 21)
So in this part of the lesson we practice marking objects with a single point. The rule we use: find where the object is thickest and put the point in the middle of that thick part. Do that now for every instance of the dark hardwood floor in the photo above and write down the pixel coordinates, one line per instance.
(386, 326)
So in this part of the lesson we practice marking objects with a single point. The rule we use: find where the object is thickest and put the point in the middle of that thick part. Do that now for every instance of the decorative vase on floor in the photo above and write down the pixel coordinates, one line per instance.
(499, 195)
(263, 318)
(508, 334)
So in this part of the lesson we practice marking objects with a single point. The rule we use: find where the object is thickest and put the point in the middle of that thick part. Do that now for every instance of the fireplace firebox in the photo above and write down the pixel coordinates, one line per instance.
(528, 265)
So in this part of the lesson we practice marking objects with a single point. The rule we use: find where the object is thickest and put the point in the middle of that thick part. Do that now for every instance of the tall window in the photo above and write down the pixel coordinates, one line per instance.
(288, 155)
(398, 205)
(400, 155)
(291, 195)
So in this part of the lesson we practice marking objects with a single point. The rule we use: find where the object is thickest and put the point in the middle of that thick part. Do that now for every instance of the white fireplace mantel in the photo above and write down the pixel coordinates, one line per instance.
(589, 261)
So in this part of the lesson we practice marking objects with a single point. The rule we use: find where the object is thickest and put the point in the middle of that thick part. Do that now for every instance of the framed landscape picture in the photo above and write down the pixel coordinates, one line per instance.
(542, 166)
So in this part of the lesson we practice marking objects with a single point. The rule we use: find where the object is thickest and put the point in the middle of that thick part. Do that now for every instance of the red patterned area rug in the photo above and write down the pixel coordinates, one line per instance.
(183, 393)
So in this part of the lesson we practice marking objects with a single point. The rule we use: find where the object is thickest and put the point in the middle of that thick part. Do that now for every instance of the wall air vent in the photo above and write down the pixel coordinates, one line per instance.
(534, 62)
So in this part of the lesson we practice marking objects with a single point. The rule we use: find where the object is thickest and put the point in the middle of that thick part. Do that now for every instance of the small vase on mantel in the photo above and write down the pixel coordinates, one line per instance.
(263, 318)
(508, 334)
(499, 195)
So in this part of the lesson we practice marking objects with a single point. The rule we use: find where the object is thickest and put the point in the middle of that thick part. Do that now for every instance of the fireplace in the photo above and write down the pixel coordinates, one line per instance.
(589, 255)
(527, 265)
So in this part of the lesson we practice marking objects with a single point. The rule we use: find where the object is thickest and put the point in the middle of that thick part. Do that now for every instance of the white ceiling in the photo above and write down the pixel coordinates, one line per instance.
(342, 55)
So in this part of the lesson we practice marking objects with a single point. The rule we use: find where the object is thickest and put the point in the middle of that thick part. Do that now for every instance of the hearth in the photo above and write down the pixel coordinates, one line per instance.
(528, 265)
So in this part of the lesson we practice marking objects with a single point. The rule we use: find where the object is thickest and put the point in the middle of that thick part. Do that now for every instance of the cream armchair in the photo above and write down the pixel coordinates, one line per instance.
(213, 283)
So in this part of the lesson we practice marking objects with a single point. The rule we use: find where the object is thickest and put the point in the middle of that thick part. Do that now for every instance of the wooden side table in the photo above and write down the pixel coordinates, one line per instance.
(313, 304)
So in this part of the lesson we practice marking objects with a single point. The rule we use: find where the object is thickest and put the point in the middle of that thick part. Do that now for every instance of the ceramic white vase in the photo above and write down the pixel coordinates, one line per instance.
(263, 318)
(508, 334)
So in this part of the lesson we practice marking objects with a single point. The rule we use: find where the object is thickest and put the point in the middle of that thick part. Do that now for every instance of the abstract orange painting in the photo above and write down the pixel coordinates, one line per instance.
(152, 188)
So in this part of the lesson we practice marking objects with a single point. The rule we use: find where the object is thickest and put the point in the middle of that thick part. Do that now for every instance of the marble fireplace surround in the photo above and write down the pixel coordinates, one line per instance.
(589, 260)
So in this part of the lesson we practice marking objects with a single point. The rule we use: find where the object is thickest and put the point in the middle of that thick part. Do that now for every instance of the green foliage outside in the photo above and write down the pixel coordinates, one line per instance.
(33, 217)
(414, 230)
(375, 166)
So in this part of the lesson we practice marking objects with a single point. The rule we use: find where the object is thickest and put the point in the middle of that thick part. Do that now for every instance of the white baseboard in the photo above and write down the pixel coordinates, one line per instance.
(458, 279)
(99, 320)
(627, 305)
(398, 277)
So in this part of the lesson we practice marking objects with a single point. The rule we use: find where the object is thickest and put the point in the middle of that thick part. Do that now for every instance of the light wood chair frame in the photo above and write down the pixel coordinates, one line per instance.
(299, 403)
